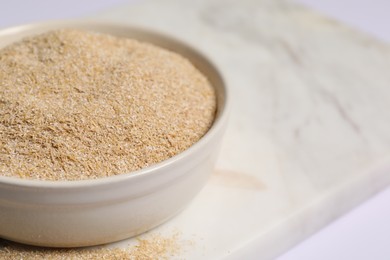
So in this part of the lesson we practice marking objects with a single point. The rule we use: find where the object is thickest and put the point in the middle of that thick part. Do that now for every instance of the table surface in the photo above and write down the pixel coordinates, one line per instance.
(361, 234)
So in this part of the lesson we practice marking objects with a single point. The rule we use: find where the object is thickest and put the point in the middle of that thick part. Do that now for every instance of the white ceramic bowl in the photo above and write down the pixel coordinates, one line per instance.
(92, 212)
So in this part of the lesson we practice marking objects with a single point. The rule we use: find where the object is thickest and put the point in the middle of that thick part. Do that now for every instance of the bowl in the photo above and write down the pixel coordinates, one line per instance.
(93, 212)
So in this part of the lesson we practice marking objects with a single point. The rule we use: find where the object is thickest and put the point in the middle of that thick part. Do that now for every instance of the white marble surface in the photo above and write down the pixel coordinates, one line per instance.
(370, 16)
(308, 121)
(309, 136)
(364, 232)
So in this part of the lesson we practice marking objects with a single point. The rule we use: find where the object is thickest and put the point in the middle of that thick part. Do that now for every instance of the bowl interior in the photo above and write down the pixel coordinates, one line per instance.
(8, 36)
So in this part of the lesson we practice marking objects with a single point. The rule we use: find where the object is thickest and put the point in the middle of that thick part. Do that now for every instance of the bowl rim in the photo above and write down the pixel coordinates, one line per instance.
(218, 122)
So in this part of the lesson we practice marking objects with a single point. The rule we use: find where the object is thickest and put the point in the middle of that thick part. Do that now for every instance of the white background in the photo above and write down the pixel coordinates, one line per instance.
(364, 233)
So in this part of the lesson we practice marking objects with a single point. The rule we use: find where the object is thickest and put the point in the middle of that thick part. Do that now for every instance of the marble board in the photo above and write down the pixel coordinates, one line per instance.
(309, 132)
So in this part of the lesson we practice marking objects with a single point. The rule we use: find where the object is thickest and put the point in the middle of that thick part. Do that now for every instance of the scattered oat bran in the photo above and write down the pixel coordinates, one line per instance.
(79, 105)
(155, 247)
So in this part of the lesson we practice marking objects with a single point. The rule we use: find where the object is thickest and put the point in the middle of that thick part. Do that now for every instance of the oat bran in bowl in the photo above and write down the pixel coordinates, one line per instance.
(107, 131)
